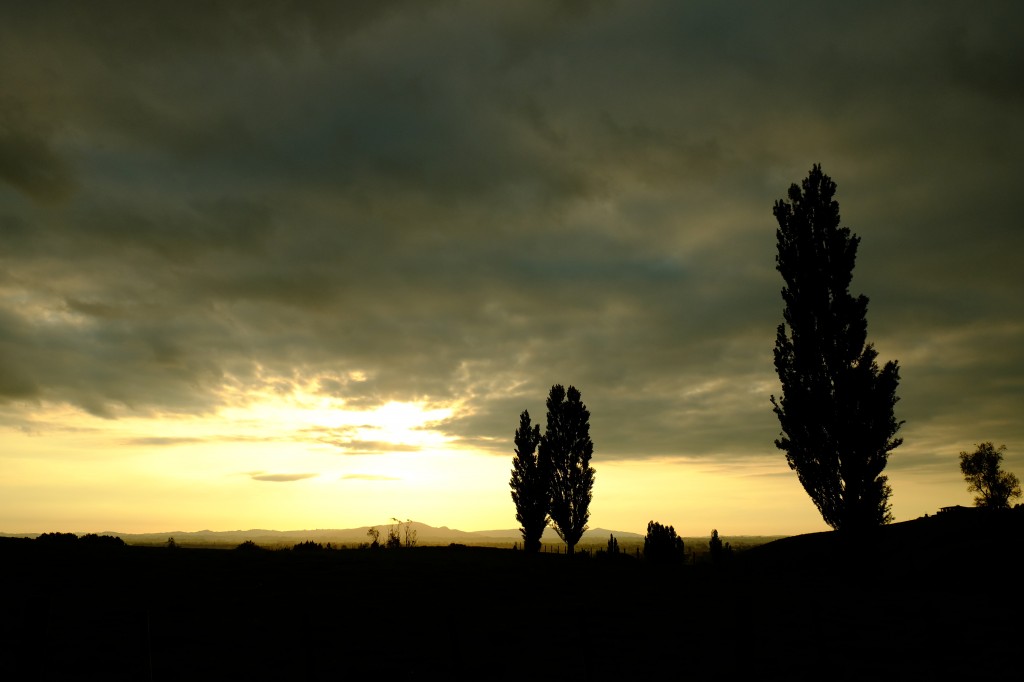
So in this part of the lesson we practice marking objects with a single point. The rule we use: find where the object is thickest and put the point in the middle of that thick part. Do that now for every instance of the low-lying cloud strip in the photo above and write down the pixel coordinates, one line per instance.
(280, 478)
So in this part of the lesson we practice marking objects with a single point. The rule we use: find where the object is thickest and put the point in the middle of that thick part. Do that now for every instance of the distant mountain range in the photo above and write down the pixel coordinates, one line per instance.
(425, 535)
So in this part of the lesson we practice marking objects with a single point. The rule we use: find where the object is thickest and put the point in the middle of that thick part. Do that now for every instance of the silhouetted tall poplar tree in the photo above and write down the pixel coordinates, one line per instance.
(530, 484)
(567, 446)
(836, 409)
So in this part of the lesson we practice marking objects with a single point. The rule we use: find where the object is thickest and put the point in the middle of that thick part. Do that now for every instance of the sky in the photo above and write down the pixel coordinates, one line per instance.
(266, 265)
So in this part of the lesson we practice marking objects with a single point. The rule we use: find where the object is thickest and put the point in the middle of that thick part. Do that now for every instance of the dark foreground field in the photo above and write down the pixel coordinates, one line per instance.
(930, 598)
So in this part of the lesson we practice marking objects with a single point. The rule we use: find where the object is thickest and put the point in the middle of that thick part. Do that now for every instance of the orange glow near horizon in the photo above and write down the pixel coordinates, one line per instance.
(301, 460)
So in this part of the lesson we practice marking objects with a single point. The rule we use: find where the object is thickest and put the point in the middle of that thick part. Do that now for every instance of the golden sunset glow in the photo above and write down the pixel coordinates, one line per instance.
(273, 463)
(305, 267)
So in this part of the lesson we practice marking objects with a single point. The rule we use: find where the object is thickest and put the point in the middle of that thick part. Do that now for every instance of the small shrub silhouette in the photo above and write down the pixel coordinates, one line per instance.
(394, 540)
(374, 536)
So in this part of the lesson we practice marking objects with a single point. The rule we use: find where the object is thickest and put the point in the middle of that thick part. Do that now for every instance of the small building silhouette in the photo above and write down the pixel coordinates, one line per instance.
(957, 509)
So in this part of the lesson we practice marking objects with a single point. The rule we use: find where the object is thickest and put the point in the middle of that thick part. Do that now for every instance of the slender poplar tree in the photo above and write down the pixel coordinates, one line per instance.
(836, 409)
(529, 483)
(566, 445)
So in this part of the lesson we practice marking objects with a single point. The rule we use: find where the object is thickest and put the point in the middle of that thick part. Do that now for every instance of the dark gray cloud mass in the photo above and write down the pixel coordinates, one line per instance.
(473, 201)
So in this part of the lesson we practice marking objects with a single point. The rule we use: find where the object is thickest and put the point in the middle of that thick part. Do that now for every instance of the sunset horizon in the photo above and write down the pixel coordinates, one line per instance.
(297, 267)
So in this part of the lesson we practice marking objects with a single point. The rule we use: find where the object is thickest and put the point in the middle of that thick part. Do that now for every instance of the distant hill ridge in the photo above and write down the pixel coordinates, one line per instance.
(425, 535)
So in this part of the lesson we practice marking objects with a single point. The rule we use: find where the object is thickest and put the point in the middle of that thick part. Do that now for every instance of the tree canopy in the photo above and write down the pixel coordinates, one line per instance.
(662, 545)
(566, 447)
(530, 484)
(836, 408)
(984, 475)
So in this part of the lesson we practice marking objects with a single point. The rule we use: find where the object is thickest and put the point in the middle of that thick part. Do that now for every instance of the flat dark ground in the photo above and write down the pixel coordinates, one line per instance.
(936, 597)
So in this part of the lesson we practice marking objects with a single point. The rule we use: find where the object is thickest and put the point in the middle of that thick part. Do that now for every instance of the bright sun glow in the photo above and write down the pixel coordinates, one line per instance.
(309, 415)
(283, 456)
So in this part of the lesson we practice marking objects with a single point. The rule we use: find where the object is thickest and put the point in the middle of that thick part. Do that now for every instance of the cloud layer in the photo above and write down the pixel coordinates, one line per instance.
(464, 204)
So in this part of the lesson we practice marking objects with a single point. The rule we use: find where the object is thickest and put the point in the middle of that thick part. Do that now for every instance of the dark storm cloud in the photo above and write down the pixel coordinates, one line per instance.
(29, 164)
(470, 202)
